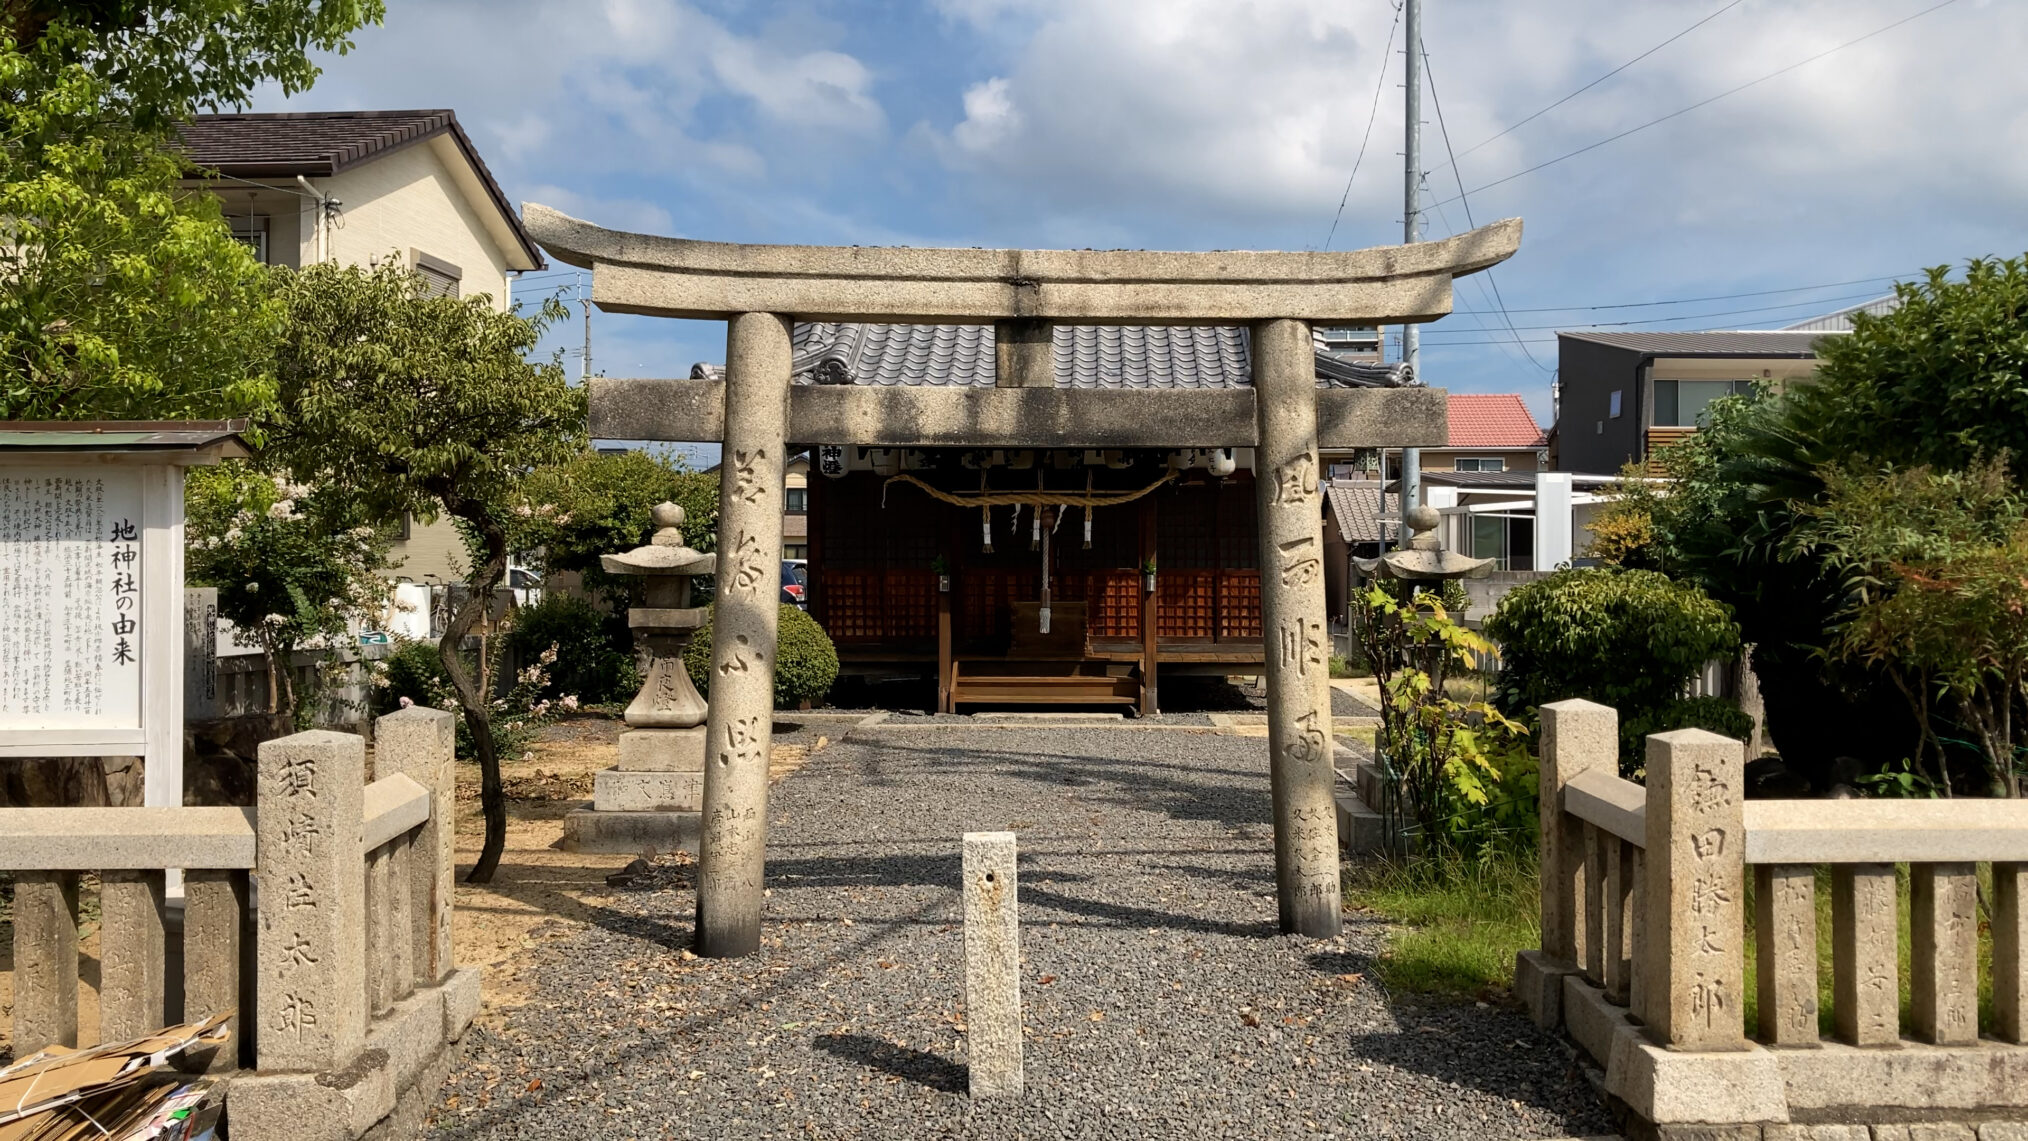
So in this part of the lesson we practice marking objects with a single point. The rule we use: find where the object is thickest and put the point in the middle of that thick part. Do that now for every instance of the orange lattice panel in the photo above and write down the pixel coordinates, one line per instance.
(851, 605)
(911, 604)
(1184, 603)
(1239, 604)
(1114, 598)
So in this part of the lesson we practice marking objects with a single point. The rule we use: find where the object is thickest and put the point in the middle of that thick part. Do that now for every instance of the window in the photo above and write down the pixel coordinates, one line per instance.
(795, 550)
(440, 276)
(1479, 463)
(1687, 403)
(797, 500)
(1616, 404)
(252, 230)
(1349, 339)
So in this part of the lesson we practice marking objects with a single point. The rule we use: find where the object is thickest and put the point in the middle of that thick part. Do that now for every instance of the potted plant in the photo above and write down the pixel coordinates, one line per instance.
(942, 567)
(1148, 575)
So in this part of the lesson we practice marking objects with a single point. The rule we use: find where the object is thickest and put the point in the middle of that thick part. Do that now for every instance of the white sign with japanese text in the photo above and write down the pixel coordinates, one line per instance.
(70, 597)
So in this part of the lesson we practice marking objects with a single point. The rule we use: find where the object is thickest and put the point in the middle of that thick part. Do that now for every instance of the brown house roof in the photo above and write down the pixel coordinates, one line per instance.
(319, 144)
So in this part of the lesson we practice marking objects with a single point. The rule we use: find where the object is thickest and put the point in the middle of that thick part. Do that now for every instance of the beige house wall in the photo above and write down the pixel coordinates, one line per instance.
(416, 201)
(1732, 368)
(432, 553)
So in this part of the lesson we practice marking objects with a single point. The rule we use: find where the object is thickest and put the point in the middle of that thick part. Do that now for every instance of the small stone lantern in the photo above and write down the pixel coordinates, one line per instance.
(1425, 560)
(663, 627)
(652, 798)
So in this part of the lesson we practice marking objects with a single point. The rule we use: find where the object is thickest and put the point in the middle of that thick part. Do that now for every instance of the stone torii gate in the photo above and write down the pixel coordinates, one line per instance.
(756, 412)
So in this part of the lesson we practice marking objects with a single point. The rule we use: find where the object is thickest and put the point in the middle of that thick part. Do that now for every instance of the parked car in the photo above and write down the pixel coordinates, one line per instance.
(795, 583)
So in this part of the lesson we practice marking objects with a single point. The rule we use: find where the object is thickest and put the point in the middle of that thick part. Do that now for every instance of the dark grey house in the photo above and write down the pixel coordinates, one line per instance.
(1621, 396)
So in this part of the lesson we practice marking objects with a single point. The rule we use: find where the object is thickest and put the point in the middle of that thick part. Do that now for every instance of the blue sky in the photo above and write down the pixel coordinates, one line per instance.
(1204, 124)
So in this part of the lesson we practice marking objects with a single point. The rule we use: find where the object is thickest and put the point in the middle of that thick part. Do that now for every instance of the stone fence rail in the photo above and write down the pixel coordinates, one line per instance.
(1645, 923)
(323, 918)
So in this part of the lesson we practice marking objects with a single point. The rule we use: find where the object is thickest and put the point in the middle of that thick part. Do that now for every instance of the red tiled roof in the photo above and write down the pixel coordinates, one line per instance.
(1487, 420)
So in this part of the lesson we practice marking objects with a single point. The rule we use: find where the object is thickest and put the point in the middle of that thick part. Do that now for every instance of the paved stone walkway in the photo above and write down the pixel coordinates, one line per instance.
(1159, 999)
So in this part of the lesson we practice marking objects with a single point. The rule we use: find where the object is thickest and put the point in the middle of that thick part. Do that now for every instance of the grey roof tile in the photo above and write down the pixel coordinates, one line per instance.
(1086, 356)
(1357, 505)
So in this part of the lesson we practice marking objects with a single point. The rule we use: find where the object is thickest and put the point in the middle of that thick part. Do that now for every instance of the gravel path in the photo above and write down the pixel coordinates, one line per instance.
(1159, 1000)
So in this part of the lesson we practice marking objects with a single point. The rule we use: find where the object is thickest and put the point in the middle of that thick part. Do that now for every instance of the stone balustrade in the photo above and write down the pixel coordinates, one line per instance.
(1646, 917)
(341, 889)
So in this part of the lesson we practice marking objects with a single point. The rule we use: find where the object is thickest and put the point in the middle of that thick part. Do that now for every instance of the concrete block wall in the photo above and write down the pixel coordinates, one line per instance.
(1645, 923)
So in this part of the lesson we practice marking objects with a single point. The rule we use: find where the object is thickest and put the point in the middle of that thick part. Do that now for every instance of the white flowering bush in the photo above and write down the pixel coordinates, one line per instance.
(286, 574)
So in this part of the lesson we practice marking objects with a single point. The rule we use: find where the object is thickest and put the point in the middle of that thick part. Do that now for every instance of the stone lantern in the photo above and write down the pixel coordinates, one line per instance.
(652, 797)
(1425, 560)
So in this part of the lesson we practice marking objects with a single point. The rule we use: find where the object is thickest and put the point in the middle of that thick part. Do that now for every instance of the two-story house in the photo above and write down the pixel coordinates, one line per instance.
(1622, 396)
(357, 187)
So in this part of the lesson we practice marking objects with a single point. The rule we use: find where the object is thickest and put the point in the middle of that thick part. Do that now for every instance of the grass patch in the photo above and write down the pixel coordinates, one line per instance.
(1458, 923)
(1344, 667)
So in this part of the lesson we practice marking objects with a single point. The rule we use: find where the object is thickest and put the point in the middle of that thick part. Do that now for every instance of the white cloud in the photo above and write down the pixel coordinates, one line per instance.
(617, 213)
(1200, 109)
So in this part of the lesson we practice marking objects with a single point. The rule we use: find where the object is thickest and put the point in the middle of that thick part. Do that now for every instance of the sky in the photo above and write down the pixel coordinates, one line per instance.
(1220, 124)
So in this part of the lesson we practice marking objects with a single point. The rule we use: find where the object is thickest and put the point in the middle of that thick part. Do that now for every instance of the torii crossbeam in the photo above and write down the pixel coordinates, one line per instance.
(756, 412)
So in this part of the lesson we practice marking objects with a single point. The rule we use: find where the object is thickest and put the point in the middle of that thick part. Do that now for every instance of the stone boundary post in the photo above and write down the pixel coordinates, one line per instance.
(732, 854)
(45, 961)
(1697, 890)
(2010, 951)
(1865, 954)
(992, 965)
(1300, 742)
(1578, 736)
(311, 1013)
(421, 743)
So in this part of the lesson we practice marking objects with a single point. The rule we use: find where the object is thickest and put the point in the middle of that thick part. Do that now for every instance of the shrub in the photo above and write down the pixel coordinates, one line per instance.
(594, 650)
(1631, 639)
(806, 663)
(413, 671)
(1717, 714)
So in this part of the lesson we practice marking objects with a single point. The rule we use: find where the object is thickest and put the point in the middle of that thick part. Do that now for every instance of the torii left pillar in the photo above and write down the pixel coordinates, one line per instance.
(732, 856)
(1300, 772)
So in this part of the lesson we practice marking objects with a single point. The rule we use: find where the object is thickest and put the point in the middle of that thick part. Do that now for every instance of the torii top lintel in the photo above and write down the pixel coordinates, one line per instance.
(679, 277)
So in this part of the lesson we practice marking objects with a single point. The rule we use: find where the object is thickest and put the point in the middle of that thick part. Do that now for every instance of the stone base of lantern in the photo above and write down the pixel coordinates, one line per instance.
(630, 833)
(614, 790)
(662, 750)
(651, 799)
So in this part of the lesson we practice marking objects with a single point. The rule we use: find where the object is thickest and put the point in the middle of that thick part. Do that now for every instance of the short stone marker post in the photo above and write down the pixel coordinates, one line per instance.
(992, 965)
(1697, 889)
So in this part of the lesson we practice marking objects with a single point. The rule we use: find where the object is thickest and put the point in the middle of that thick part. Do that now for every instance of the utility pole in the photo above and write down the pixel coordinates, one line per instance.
(1411, 232)
(584, 300)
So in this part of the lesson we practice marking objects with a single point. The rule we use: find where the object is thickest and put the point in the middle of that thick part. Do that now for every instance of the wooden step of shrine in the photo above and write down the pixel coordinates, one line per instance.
(1044, 689)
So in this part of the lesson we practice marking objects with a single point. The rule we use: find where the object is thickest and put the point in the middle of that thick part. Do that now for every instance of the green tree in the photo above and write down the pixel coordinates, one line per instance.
(1934, 569)
(286, 573)
(403, 403)
(1623, 529)
(125, 297)
(596, 504)
(1937, 382)
(160, 60)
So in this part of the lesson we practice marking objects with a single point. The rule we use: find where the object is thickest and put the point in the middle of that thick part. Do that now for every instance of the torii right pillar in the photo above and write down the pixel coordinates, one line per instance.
(1292, 624)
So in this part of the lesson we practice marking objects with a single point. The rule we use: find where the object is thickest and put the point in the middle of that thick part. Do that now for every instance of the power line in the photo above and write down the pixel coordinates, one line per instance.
(1601, 79)
(1437, 102)
(1371, 114)
(1690, 316)
(1709, 297)
(1713, 99)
